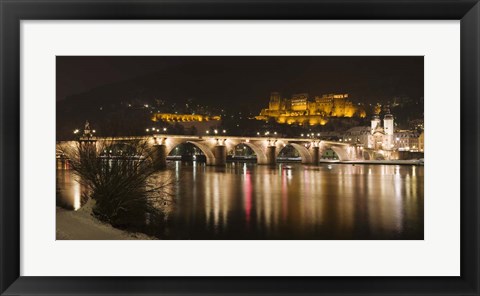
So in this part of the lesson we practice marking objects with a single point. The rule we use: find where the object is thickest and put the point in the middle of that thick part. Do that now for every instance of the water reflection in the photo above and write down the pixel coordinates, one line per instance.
(292, 201)
(70, 193)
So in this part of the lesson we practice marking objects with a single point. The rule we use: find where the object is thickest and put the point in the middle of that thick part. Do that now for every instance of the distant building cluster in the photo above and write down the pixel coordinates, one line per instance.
(171, 117)
(386, 138)
(299, 109)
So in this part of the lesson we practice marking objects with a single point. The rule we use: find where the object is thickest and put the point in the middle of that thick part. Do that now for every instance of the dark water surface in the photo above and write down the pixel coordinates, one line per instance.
(287, 201)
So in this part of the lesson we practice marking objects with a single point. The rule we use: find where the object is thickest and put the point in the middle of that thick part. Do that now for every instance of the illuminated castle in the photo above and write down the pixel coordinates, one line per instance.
(300, 110)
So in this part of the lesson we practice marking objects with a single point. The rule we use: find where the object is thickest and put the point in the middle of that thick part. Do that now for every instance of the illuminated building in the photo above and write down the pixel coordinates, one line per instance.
(300, 110)
(388, 129)
(299, 102)
(384, 142)
(406, 140)
(421, 141)
(192, 123)
(335, 105)
(169, 117)
(376, 122)
(382, 138)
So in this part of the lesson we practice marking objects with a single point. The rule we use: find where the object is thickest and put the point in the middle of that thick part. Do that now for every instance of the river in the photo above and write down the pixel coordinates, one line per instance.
(285, 201)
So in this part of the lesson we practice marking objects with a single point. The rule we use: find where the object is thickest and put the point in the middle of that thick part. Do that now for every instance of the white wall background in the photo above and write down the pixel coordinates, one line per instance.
(437, 255)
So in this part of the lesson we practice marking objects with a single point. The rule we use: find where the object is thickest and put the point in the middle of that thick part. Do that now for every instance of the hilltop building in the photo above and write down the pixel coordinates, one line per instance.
(170, 117)
(299, 109)
(192, 123)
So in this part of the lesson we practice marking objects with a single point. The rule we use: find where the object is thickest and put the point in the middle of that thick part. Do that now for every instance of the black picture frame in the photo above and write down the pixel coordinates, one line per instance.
(13, 11)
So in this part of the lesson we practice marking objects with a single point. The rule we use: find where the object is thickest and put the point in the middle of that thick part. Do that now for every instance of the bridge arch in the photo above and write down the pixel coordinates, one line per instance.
(261, 155)
(303, 151)
(341, 152)
(210, 157)
(204, 148)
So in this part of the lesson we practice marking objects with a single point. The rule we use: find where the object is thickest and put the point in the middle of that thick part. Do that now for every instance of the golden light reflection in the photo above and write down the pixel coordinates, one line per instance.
(69, 190)
(334, 201)
(77, 196)
(284, 195)
(216, 202)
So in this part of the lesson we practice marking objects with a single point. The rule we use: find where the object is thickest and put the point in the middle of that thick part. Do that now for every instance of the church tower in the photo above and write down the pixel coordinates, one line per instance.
(375, 123)
(388, 129)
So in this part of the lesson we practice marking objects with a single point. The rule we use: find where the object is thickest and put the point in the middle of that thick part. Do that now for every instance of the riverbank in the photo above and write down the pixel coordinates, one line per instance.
(82, 225)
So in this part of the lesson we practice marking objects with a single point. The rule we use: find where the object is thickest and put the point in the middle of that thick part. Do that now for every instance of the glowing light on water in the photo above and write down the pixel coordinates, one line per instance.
(194, 170)
(248, 197)
(177, 169)
(216, 202)
(289, 174)
(76, 196)
(284, 196)
(246, 200)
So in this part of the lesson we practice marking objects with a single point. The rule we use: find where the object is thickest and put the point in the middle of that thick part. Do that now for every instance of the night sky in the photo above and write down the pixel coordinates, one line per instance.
(246, 80)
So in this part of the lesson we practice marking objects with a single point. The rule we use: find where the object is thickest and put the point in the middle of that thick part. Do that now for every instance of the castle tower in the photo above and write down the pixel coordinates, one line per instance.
(275, 100)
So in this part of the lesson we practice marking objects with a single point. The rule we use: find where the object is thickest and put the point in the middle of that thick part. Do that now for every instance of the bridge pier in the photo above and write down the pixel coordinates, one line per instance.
(271, 155)
(159, 156)
(316, 155)
(370, 153)
(220, 153)
(359, 153)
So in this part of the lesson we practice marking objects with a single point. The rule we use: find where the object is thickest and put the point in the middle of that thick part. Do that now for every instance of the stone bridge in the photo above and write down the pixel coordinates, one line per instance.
(215, 147)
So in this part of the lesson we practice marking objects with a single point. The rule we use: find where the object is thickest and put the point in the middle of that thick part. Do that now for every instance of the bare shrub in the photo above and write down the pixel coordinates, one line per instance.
(119, 177)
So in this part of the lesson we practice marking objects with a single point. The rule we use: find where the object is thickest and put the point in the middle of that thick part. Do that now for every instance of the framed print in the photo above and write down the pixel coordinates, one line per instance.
(239, 148)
